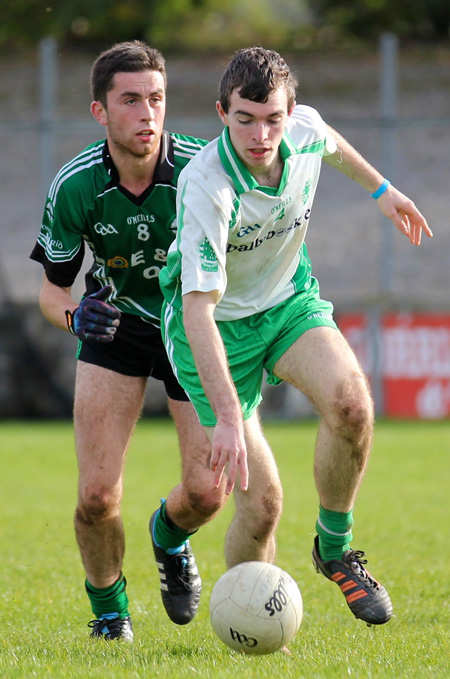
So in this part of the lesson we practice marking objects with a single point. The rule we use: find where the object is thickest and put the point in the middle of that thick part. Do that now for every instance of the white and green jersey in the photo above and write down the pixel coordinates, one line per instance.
(129, 236)
(244, 240)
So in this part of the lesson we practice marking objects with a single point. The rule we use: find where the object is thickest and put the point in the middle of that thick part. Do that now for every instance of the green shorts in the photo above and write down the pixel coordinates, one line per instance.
(253, 344)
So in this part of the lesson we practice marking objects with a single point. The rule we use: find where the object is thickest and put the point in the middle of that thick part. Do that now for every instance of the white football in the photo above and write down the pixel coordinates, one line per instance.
(256, 607)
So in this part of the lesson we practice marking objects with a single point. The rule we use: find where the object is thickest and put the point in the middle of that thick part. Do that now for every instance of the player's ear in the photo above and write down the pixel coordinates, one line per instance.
(222, 115)
(99, 112)
(292, 108)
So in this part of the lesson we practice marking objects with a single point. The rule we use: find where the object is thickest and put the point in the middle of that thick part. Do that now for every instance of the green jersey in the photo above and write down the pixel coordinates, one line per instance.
(129, 236)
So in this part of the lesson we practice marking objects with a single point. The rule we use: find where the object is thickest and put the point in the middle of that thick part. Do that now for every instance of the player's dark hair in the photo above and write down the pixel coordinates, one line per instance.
(255, 73)
(124, 57)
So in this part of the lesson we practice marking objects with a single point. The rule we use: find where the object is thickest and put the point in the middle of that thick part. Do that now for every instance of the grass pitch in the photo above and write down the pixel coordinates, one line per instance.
(401, 521)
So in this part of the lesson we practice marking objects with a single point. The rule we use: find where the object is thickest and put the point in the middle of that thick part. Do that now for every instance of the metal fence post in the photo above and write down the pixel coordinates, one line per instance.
(388, 115)
(388, 97)
(47, 112)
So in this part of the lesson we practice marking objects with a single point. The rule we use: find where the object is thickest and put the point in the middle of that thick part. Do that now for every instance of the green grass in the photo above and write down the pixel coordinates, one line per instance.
(401, 521)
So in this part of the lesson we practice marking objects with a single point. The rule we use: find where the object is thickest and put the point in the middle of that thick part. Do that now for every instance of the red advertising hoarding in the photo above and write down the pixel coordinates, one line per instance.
(413, 354)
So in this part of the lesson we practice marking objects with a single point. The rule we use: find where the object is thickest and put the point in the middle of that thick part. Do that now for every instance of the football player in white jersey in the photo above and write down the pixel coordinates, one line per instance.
(241, 300)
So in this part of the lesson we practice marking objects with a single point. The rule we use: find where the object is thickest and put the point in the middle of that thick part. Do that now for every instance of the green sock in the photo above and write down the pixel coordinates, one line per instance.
(335, 533)
(111, 599)
(167, 534)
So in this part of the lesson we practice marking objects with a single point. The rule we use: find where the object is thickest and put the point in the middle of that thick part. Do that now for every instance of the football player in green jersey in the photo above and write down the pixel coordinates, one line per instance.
(241, 300)
(118, 197)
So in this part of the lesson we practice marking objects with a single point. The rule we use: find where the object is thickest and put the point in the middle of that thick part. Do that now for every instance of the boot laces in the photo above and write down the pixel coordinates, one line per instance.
(355, 560)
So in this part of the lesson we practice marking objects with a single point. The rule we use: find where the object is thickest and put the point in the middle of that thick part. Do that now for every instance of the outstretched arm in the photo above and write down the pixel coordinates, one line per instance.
(228, 443)
(392, 203)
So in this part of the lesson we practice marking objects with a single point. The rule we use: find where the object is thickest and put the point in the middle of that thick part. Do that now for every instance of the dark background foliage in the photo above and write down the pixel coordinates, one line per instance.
(212, 25)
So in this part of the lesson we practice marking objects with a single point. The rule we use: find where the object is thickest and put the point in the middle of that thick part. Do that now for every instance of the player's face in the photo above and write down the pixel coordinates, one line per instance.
(134, 117)
(256, 129)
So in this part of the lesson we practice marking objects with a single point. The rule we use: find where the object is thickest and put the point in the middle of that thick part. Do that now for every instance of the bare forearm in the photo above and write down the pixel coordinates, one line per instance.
(53, 301)
(351, 163)
(393, 204)
(229, 451)
(210, 357)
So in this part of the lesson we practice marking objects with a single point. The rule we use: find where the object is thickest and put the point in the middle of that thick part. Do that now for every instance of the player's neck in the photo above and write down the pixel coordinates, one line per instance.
(269, 176)
(135, 174)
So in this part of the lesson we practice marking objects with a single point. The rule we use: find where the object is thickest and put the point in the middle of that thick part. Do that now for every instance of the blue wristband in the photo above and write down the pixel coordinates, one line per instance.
(379, 192)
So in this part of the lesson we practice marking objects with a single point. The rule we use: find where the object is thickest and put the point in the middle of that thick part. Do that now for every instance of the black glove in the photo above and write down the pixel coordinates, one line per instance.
(94, 320)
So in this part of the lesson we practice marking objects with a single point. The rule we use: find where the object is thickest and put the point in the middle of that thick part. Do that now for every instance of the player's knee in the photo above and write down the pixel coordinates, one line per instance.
(206, 504)
(353, 408)
(97, 504)
(272, 507)
(262, 515)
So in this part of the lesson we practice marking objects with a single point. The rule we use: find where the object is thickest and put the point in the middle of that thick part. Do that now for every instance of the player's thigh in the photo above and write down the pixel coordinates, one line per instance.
(195, 447)
(324, 367)
(107, 406)
(262, 502)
